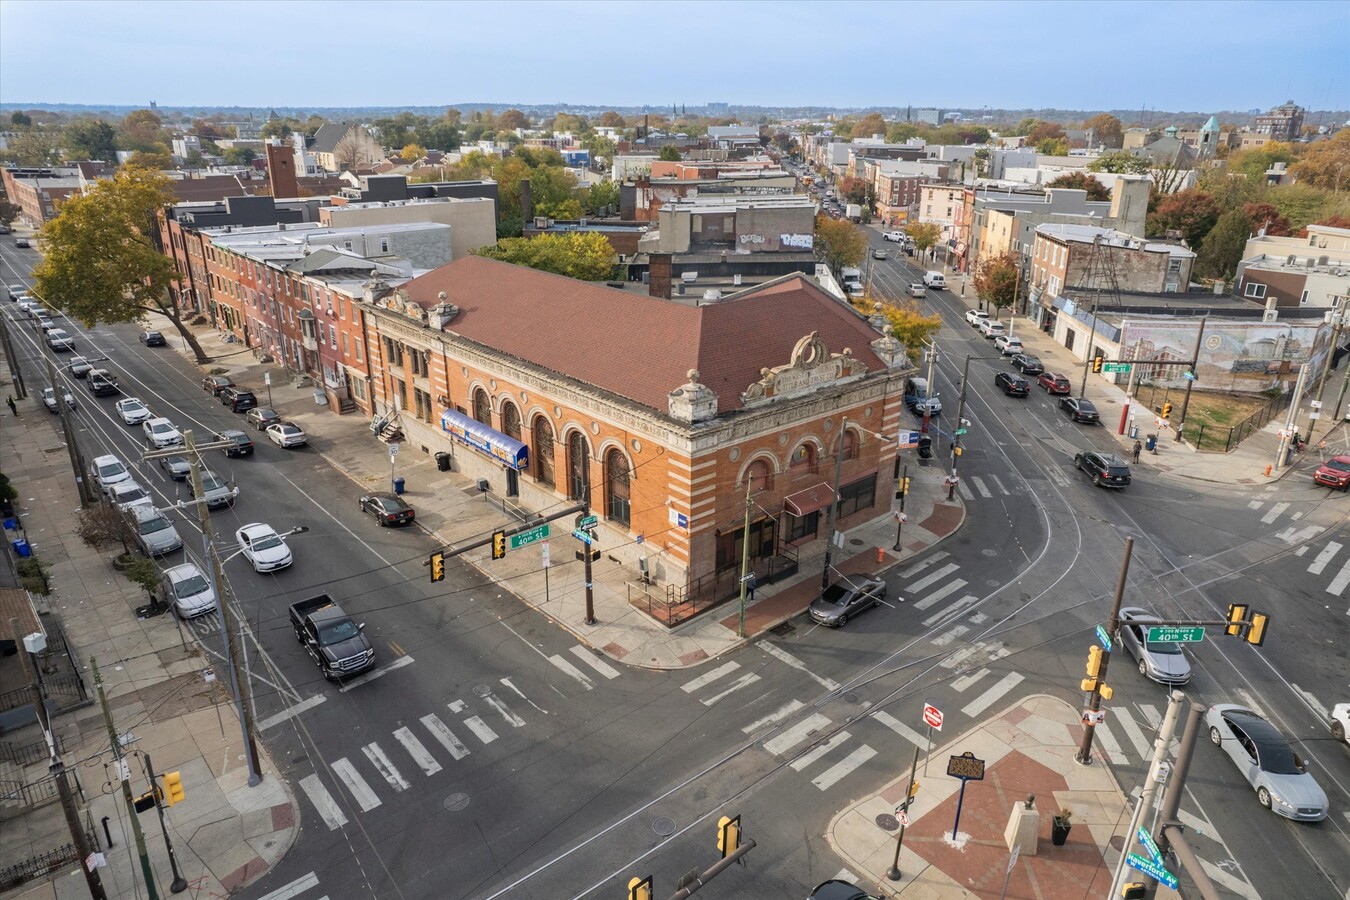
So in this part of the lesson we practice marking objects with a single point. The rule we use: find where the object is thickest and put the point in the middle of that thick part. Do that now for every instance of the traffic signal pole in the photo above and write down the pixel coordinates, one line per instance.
(1190, 382)
(179, 882)
(956, 432)
(124, 776)
(1084, 756)
(1170, 836)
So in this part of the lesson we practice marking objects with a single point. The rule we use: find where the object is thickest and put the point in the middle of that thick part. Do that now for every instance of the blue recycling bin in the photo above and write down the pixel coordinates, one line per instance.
(398, 485)
(1151, 442)
(12, 524)
(21, 547)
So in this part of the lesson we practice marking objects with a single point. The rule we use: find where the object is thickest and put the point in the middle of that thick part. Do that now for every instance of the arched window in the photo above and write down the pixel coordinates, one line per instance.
(617, 487)
(482, 407)
(803, 459)
(543, 451)
(511, 421)
(760, 476)
(850, 448)
(578, 466)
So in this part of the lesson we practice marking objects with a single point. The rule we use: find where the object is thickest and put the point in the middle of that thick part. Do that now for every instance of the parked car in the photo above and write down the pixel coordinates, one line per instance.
(107, 471)
(78, 367)
(1054, 383)
(45, 320)
(161, 433)
(59, 339)
(1340, 722)
(262, 416)
(1105, 469)
(845, 598)
(152, 339)
(975, 316)
(22, 243)
(918, 290)
(1008, 346)
(991, 329)
(263, 547)
(1012, 385)
(238, 399)
(1162, 661)
(1334, 473)
(188, 590)
(1265, 759)
(155, 534)
(216, 491)
(178, 467)
(388, 509)
(49, 400)
(286, 434)
(1027, 364)
(102, 383)
(1080, 410)
(133, 410)
(214, 384)
(242, 444)
(127, 494)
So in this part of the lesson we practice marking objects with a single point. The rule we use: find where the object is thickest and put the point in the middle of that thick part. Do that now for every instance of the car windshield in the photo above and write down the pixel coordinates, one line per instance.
(110, 469)
(1164, 648)
(161, 428)
(265, 543)
(174, 462)
(211, 483)
(338, 632)
(1339, 465)
(151, 525)
(190, 587)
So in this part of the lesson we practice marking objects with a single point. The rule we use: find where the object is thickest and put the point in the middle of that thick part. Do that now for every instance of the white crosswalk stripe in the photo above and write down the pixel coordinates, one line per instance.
(950, 635)
(793, 736)
(979, 486)
(1274, 513)
(385, 767)
(816, 753)
(902, 729)
(1109, 745)
(834, 773)
(356, 785)
(1320, 563)
(324, 804)
(941, 593)
(480, 729)
(1255, 504)
(915, 568)
(934, 578)
(965, 681)
(425, 761)
(779, 653)
(745, 680)
(708, 678)
(1339, 583)
(441, 732)
(964, 491)
(992, 695)
(594, 661)
(294, 889)
(1132, 732)
(773, 718)
(572, 671)
(511, 718)
(950, 612)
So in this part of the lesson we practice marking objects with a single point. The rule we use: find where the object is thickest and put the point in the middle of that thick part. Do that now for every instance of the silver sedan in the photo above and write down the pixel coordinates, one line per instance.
(1163, 661)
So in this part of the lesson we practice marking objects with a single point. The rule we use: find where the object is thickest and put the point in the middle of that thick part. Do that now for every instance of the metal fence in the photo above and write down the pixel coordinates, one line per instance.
(680, 603)
(27, 754)
(1221, 438)
(40, 865)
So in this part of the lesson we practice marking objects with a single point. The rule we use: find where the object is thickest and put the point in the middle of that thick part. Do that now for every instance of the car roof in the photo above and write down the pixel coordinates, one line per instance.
(181, 571)
(104, 460)
(233, 432)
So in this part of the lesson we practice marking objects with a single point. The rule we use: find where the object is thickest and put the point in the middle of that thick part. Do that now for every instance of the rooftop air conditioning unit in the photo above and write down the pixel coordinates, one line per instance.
(581, 223)
(712, 295)
(689, 277)
(541, 222)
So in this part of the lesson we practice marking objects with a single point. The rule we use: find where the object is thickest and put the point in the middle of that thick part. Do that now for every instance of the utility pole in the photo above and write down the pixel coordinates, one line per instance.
(1195, 373)
(1339, 319)
(927, 410)
(1291, 417)
(834, 500)
(745, 556)
(1155, 772)
(87, 495)
(1171, 831)
(1084, 756)
(243, 692)
(179, 882)
(124, 776)
(956, 432)
(78, 836)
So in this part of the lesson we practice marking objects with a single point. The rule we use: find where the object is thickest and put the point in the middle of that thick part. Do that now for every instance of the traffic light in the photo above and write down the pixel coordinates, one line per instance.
(437, 567)
(173, 788)
(728, 835)
(1167, 411)
(1133, 890)
(1256, 633)
(498, 544)
(901, 487)
(640, 888)
(911, 794)
(1096, 363)
(145, 802)
(1094, 661)
(1237, 618)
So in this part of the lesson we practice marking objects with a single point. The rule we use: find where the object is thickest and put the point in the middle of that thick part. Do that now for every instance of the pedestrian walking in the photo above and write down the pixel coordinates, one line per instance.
(12, 407)
(1138, 448)
(750, 587)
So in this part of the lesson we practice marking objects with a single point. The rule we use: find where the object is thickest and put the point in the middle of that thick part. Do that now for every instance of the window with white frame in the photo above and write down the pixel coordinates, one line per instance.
(1254, 290)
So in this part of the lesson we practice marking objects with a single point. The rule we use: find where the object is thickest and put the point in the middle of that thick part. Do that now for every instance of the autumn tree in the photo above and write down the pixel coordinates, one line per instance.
(1045, 131)
(925, 235)
(511, 120)
(998, 280)
(275, 128)
(1106, 130)
(412, 153)
(157, 157)
(870, 124)
(611, 119)
(1254, 161)
(90, 139)
(1081, 181)
(1122, 162)
(141, 129)
(8, 213)
(1223, 246)
(212, 129)
(1192, 213)
(669, 153)
(1268, 217)
(1053, 146)
(34, 147)
(839, 243)
(1326, 164)
(586, 256)
(239, 156)
(855, 190)
(910, 326)
(101, 263)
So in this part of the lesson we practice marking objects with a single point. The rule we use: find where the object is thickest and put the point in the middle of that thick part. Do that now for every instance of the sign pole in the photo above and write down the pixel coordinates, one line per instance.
(960, 798)
(893, 873)
(929, 755)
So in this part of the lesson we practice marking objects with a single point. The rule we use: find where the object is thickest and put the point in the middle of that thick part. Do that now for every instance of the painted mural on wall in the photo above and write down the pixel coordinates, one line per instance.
(1240, 356)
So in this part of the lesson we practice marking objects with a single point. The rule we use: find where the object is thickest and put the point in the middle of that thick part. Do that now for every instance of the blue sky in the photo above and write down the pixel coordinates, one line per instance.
(1069, 55)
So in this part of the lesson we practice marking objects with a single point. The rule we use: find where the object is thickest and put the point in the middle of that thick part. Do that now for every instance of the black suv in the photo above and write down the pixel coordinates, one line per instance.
(238, 399)
(1105, 469)
(243, 444)
(1012, 385)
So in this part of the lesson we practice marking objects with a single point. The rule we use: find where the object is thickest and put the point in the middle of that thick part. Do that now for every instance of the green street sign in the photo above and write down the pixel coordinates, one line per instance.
(1116, 367)
(525, 538)
(584, 522)
(1167, 634)
(960, 431)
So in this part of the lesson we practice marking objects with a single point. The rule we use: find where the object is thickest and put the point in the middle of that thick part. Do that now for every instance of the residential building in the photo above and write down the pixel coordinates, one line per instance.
(339, 147)
(40, 191)
(472, 221)
(942, 205)
(185, 146)
(734, 224)
(642, 198)
(896, 185)
(1288, 272)
(1283, 123)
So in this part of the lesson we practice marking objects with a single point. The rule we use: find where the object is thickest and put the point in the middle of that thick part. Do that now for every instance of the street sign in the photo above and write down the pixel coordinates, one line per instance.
(1116, 367)
(525, 538)
(901, 816)
(932, 716)
(1104, 638)
(393, 450)
(908, 440)
(587, 521)
(961, 431)
(583, 537)
(1168, 634)
(1189, 376)
(544, 556)
(1151, 869)
(1150, 845)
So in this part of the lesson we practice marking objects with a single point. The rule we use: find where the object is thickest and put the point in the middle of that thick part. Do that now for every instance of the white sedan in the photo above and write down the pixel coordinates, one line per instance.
(133, 410)
(161, 432)
(286, 434)
(263, 547)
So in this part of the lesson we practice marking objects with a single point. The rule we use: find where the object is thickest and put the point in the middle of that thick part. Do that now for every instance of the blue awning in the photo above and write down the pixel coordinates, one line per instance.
(473, 433)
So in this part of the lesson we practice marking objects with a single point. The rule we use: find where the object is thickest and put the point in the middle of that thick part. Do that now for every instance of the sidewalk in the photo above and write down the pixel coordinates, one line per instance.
(1028, 749)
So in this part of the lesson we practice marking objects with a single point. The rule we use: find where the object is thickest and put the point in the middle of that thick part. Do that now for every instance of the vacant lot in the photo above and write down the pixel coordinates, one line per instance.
(1210, 417)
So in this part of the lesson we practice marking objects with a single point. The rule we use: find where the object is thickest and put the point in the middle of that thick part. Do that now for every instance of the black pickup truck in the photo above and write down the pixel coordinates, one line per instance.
(336, 643)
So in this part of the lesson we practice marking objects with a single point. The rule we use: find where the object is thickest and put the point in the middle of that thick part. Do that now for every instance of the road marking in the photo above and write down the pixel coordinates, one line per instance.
(934, 578)
(950, 612)
(1250, 702)
(521, 694)
(965, 681)
(377, 673)
(1324, 557)
(324, 804)
(780, 654)
(708, 678)
(1255, 504)
(922, 564)
(989, 697)
(514, 720)
(480, 729)
(594, 661)
(1312, 701)
(1306, 533)
(834, 773)
(291, 711)
(845, 875)
(441, 732)
(1132, 732)
(964, 491)
(1221, 877)
(1274, 513)
(417, 751)
(295, 888)
(1151, 715)
(957, 658)
(902, 729)
(571, 670)
(796, 734)
(745, 680)
(941, 593)
(774, 717)
(979, 486)
(999, 484)
(1338, 583)
(385, 766)
(816, 753)
(360, 791)
(947, 637)
(1107, 741)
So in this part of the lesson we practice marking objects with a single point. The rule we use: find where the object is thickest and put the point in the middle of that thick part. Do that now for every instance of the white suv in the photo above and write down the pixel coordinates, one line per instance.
(992, 328)
(975, 317)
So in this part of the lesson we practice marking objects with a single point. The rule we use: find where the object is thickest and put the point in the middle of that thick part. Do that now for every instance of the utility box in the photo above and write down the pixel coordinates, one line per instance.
(1024, 827)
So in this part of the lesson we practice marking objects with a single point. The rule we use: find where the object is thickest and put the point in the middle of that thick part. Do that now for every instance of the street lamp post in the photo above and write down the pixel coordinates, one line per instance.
(956, 432)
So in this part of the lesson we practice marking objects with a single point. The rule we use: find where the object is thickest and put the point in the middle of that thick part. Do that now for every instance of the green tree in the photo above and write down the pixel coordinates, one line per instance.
(441, 136)
(1107, 130)
(925, 235)
(611, 119)
(20, 119)
(100, 260)
(239, 156)
(602, 194)
(1081, 181)
(997, 280)
(553, 191)
(35, 147)
(1302, 203)
(90, 139)
(1223, 246)
(275, 128)
(154, 158)
(1253, 162)
(1053, 146)
(8, 212)
(1326, 164)
(1192, 213)
(412, 153)
(1122, 162)
(1025, 127)
(669, 153)
(586, 256)
(902, 131)
(839, 243)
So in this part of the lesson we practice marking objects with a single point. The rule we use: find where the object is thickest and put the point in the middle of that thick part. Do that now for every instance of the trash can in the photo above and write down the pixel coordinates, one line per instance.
(1134, 432)
(925, 447)
(21, 547)
(12, 524)
(1151, 443)
(398, 485)
(443, 461)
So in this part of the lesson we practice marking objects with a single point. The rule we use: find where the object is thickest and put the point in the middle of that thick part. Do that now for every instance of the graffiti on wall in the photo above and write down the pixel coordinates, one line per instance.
(804, 241)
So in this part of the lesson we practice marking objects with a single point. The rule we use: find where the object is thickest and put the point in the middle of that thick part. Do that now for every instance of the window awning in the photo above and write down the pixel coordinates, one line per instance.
(472, 433)
(803, 503)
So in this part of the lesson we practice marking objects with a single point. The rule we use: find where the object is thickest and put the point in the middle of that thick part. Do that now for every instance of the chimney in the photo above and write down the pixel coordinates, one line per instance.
(526, 205)
(281, 171)
(658, 284)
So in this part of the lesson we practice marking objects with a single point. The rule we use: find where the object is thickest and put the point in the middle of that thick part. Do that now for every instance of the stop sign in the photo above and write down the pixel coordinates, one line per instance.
(932, 716)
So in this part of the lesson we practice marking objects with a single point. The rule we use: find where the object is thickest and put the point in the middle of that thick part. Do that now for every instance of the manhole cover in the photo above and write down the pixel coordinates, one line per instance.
(989, 552)
(855, 542)
(664, 826)
(456, 802)
(850, 698)
(888, 822)
(482, 690)
(785, 628)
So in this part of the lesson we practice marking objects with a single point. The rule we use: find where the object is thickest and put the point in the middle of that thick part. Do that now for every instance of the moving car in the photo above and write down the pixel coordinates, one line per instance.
(188, 590)
(1334, 473)
(1162, 661)
(161, 433)
(214, 384)
(1054, 383)
(263, 547)
(935, 280)
(102, 383)
(1012, 385)
(243, 444)
(133, 410)
(78, 367)
(107, 471)
(22, 243)
(262, 416)
(152, 339)
(1340, 721)
(1028, 364)
(878, 253)
(388, 509)
(178, 467)
(975, 316)
(286, 434)
(847, 598)
(1266, 760)
(896, 236)
(127, 494)
(1080, 410)
(49, 400)
(1105, 469)
(238, 399)
(918, 290)
(1008, 346)
(59, 339)
(991, 329)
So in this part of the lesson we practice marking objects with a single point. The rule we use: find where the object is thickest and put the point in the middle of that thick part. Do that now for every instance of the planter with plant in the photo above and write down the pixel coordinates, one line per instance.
(145, 572)
(1059, 828)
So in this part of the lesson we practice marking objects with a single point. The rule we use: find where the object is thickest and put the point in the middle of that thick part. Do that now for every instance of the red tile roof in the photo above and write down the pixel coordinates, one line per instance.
(633, 345)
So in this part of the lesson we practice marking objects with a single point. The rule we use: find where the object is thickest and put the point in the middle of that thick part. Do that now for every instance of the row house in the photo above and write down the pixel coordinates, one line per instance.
(1285, 272)
(897, 185)
(943, 205)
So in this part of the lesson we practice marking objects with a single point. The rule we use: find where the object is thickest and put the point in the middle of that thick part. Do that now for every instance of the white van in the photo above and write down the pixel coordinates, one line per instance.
(935, 280)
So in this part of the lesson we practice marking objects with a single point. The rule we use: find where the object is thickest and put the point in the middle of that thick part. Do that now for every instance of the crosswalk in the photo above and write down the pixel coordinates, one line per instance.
(1331, 559)
(989, 486)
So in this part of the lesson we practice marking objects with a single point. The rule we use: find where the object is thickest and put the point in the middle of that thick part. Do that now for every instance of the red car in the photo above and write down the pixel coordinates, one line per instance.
(1054, 383)
(1334, 473)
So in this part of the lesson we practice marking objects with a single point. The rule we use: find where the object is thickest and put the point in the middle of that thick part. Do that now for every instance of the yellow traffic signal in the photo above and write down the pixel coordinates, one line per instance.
(1087, 684)
(498, 544)
(1256, 634)
(1096, 363)
(1237, 617)
(901, 487)
(640, 888)
(437, 567)
(913, 792)
(1133, 890)
(1105, 691)
(173, 788)
(1094, 661)
(1167, 411)
(957, 451)
(728, 835)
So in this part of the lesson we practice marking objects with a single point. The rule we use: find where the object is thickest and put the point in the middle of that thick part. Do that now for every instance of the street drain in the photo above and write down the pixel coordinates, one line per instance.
(850, 698)
(664, 826)
(783, 629)
(456, 802)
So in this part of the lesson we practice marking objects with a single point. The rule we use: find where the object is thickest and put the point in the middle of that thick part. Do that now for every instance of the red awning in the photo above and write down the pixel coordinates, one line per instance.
(803, 503)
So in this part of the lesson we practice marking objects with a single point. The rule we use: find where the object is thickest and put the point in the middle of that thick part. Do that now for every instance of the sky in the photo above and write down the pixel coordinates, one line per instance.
(1178, 56)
